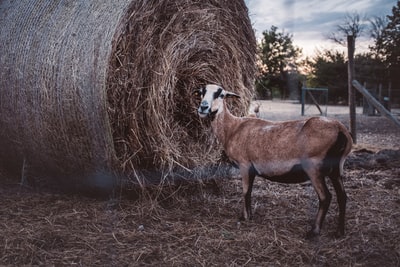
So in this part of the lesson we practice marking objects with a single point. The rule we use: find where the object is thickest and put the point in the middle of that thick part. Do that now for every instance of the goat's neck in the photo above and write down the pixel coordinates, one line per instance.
(223, 125)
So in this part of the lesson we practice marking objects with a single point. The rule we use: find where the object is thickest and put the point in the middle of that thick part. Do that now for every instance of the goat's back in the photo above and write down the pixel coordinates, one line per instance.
(257, 140)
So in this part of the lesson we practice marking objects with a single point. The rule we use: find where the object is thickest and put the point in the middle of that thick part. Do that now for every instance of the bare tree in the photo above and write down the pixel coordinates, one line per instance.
(378, 25)
(352, 26)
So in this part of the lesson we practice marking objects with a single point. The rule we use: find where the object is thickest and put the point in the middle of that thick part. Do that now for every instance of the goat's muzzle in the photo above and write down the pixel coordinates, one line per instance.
(204, 109)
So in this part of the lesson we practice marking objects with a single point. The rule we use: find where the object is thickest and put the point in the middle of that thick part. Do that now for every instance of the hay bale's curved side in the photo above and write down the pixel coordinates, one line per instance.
(88, 86)
(52, 80)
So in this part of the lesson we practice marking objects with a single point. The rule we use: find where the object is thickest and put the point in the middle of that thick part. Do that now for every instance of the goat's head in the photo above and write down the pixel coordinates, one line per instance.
(212, 97)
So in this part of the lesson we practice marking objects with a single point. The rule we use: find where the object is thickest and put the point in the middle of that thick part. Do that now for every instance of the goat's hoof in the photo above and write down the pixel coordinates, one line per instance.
(242, 218)
(339, 233)
(311, 235)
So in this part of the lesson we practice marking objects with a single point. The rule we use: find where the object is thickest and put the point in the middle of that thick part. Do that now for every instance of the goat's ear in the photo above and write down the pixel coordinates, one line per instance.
(230, 94)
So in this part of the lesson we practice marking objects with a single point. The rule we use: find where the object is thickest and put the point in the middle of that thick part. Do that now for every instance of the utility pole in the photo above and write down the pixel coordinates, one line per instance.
(352, 94)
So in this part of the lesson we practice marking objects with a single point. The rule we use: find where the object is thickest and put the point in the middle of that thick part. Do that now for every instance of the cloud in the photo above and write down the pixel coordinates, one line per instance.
(310, 21)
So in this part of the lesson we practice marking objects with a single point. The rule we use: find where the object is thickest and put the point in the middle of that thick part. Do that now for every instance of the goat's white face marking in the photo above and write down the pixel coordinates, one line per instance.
(212, 100)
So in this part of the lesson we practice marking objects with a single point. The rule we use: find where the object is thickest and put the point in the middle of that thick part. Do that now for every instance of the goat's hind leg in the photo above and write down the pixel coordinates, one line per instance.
(337, 182)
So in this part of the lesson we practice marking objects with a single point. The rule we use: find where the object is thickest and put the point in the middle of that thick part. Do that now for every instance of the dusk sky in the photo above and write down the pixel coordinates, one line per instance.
(310, 21)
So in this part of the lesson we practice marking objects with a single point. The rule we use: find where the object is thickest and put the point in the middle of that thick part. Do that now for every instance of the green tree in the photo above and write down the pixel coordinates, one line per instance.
(328, 69)
(370, 69)
(278, 56)
(389, 45)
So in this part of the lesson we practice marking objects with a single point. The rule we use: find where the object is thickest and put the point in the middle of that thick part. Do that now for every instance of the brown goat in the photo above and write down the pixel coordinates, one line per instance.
(286, 152)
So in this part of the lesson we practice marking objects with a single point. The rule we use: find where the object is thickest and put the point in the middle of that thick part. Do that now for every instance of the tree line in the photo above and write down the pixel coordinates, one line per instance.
(282, 73)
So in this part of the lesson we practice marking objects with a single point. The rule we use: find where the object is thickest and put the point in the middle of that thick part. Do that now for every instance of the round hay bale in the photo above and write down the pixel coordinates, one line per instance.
(89, 87)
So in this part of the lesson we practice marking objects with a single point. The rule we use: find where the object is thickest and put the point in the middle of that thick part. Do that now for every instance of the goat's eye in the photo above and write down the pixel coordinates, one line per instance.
(198, 92)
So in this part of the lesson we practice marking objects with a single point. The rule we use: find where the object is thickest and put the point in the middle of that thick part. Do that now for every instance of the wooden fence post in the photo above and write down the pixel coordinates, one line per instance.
(352, 95)
(390, 96)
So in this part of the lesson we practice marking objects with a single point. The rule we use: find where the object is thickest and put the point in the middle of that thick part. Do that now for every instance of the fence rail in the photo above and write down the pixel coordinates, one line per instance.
(323, 95)
(371, 99)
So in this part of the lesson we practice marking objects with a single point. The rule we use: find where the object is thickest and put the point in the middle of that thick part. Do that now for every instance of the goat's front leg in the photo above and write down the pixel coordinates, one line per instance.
(247, 184)
(324, 197)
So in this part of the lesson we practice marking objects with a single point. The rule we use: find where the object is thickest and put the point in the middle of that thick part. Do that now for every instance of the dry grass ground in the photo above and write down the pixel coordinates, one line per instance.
(196, 225)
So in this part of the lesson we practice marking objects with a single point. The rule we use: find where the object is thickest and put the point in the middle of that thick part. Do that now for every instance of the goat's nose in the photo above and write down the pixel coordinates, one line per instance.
(204, 103)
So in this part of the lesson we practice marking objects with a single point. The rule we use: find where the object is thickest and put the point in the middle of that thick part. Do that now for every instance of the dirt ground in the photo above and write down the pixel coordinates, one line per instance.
(196, 224)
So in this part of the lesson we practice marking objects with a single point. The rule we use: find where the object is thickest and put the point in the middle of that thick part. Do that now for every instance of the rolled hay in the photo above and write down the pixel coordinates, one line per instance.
(90, 89)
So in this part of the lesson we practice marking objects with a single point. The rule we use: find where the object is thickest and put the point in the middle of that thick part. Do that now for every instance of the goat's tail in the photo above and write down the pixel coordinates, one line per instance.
(336, 155)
